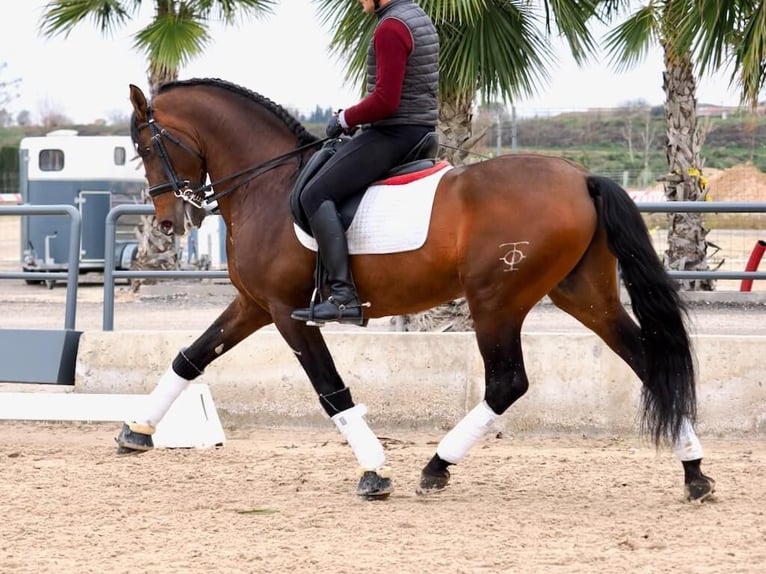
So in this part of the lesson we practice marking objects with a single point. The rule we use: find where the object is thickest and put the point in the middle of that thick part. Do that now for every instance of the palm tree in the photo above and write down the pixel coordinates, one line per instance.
(659, 23)
(697, 37)
(178, 33)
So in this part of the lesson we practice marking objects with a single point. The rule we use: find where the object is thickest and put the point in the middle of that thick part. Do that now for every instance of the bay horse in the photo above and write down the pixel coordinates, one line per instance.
(570, 228)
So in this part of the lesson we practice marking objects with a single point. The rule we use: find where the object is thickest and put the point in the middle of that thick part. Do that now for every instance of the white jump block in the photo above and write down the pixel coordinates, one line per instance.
(191, 422)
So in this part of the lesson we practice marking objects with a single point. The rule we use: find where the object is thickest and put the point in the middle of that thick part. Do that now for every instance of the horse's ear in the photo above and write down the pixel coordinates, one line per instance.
(138, 99)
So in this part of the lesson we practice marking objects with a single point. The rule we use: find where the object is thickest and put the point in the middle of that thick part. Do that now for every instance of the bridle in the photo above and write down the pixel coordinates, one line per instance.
(198, 196)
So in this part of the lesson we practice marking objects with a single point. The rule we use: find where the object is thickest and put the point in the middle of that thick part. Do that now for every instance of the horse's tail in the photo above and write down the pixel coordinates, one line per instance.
(669, 393)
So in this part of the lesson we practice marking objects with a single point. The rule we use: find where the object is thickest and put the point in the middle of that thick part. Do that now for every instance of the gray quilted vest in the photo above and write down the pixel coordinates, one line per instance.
(418, 105)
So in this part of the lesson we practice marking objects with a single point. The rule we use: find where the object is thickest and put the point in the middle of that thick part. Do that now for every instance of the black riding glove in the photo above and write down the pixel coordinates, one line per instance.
(333, 129)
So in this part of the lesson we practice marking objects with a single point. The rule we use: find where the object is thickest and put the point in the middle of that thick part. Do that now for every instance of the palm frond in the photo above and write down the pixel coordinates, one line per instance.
(170, 41)
(750, 60)
(234, 11)
(503, 53)
(571, 19)
(628, 43)
(62, 16)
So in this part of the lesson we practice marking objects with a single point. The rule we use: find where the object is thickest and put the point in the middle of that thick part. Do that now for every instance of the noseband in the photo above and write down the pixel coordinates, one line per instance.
(179, 187)
(198, 196)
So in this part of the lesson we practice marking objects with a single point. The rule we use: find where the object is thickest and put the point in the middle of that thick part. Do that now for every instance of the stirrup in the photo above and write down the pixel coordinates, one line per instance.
(309, 316)
(341, 315)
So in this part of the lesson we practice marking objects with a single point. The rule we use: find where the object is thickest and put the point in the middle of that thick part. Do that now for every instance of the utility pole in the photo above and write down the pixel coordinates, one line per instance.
(514, 136)
(499, 144)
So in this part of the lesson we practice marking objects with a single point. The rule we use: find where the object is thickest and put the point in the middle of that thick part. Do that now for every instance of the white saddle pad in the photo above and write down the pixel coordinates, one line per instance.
(390, 218)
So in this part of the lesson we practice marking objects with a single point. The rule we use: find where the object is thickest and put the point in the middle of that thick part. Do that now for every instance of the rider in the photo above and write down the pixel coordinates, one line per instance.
(400, 108)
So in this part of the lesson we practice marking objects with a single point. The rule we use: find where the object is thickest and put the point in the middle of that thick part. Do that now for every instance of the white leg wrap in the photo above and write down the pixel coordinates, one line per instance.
(363, 442)
(688, 446)
(158, 402)
(457, 442)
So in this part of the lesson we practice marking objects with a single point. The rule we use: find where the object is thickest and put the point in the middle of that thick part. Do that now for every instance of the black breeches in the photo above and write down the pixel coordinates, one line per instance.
(360, 162)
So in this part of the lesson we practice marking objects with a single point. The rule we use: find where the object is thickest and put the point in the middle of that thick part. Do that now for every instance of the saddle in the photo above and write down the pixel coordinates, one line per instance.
(420, 157)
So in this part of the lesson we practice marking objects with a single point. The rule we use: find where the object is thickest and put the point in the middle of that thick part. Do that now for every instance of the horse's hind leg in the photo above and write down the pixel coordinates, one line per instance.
(591, 295)
(505, 382)
(310, 348)
(238, 320)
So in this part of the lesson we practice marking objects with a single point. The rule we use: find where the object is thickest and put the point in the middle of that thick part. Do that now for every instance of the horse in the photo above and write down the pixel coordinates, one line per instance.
(502, 233)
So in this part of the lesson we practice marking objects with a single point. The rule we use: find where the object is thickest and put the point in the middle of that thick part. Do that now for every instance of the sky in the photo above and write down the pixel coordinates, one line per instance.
(85, 76)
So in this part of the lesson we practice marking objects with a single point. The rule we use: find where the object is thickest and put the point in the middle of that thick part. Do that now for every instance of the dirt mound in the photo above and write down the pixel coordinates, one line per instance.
(742, 182)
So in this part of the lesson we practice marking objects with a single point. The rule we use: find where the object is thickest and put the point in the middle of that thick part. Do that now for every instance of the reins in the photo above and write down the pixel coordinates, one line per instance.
(198, 196)
(256, 170)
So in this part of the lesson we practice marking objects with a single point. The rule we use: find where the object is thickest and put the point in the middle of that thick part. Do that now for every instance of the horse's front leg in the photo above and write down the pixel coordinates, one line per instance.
(239, 319)
(310, 348)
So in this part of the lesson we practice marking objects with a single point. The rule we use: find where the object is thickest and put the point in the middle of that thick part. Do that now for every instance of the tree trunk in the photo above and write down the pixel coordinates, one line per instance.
(455, 129)
(687, 246)
(156, 251)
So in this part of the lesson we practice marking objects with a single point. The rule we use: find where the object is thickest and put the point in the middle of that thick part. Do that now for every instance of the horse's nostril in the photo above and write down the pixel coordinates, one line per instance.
(166, 227)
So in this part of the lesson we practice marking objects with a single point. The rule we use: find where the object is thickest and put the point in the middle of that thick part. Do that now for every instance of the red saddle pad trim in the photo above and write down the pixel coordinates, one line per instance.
(414, 176)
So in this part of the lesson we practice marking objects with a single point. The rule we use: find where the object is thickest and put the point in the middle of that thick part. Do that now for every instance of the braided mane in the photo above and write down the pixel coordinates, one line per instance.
(300, 132)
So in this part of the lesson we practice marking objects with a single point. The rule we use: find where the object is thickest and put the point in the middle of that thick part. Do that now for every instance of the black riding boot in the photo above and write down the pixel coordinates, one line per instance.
(343, 304)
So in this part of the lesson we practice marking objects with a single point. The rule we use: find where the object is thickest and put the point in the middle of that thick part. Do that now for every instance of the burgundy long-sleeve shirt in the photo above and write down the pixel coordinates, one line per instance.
(392, 43)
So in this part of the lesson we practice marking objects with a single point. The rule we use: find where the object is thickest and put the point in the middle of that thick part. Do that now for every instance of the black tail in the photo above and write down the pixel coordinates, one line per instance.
(669, 378)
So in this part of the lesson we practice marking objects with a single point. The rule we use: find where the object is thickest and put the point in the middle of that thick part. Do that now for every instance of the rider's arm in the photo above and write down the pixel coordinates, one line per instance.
(392, 44)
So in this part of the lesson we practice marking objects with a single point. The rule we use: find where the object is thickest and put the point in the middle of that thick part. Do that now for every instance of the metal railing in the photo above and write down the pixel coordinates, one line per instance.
(708, 207)
(73, 260)
(111, 274)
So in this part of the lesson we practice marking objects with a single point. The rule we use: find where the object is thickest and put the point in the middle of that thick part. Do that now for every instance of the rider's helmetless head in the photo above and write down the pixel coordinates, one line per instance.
(369, 6)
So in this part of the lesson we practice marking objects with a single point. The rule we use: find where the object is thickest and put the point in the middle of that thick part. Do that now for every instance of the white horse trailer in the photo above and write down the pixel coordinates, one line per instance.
(92, 173)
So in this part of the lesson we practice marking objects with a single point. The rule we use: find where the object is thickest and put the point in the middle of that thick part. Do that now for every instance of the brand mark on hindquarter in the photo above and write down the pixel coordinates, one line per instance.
(513, 254)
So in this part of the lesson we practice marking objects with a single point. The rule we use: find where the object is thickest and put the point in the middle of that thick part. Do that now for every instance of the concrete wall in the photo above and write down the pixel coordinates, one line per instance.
(427, 381)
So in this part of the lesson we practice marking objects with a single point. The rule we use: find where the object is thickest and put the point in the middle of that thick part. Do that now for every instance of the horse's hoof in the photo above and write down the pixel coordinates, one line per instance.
(375, 484)
(130, 442)
(432, 483)
(699, 489)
